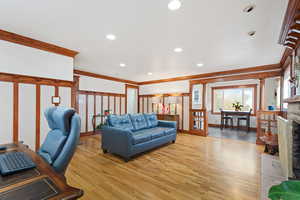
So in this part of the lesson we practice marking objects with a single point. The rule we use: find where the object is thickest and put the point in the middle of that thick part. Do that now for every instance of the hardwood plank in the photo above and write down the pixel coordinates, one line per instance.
(192, 168)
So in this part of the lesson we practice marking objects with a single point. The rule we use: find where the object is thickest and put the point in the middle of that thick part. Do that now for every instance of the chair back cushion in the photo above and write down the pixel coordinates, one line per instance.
(120, 121)
(138, 121)
(151, 120)
(63, 128)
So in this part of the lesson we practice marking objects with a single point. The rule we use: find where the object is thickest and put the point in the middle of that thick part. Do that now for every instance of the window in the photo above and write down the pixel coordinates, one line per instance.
(224, 97)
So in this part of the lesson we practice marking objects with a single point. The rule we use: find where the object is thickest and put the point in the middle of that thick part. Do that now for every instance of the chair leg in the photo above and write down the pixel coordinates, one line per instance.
(248, 125)
(238, 124)
(231, 120)
(226, 123)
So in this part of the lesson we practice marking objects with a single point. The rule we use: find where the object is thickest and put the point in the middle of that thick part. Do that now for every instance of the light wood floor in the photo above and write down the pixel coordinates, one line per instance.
(193, 168)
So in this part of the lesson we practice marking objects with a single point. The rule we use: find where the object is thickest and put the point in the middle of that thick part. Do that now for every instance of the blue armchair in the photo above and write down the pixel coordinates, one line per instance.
(131, 134)
(60, 143)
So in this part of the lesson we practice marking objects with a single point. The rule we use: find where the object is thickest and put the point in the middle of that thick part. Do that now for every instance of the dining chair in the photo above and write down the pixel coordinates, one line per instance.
(226, 119)
(246, 119)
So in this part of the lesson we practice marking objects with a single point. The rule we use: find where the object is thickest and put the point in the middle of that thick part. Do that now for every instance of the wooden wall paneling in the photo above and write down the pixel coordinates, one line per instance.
(74, 95)
(108, 103)
(115, 109)
(95, 111)
(38, 117)
(147, 105)
(120, 105)
(261, 93)
(29, 42)
(47, 92)
(27, 107)
(65, 94)
(143, 105)
(90, 105)
(7, 114)
(56, 93)
(16, 113)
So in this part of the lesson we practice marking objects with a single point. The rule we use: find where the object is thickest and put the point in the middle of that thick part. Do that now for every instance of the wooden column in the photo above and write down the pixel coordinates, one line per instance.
(16, 113)
(74, 96)
(261, 94)
(38, 117)
(204, 96)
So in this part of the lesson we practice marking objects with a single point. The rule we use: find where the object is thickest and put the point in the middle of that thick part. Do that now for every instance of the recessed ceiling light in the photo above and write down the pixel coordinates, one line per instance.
(249, 8)
(200, 65)
(149, 73)
(178, 50)
(251, 33)
(174, 5)
(122, 65)
(111, 37)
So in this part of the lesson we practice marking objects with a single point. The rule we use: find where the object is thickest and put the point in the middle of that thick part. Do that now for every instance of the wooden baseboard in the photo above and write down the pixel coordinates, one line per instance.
(243, 128)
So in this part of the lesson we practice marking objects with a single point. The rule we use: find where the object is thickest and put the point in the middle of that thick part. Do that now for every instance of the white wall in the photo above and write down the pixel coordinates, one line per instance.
(101, 85)
(168, 87)
(18, 59)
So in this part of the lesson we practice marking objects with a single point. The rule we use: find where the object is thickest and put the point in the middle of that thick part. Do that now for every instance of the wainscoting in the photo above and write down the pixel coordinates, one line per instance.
(23, 101)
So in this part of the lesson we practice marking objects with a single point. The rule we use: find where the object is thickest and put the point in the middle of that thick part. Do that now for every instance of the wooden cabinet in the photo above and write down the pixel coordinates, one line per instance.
(168, 117)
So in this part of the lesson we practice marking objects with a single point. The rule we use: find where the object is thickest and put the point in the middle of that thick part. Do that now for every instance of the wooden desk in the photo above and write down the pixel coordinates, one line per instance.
(16, 186)
(168, 117)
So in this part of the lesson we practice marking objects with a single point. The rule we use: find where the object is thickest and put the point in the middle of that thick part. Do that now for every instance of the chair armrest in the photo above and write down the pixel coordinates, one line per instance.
(171, 124)
(118, 140)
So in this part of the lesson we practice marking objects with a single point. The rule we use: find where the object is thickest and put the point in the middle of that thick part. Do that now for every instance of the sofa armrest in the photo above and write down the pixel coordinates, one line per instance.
(170, 124)
(116, 140)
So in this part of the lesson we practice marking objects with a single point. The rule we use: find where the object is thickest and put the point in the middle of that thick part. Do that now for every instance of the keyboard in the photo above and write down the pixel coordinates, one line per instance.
(12, 162)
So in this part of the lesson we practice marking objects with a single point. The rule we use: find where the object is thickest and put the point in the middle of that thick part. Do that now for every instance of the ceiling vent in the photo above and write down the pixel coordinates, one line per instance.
(251, 33)
(249, 8)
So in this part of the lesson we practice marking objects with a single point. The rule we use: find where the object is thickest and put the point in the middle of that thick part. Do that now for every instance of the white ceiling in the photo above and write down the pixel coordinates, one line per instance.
(213, 32)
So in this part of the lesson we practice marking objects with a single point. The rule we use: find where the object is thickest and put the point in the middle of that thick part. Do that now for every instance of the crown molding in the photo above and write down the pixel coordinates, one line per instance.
(29, 42)
(213, 74)
(94, 75)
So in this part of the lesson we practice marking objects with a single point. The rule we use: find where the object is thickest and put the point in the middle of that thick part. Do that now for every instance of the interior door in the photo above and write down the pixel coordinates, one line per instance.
(198, 114)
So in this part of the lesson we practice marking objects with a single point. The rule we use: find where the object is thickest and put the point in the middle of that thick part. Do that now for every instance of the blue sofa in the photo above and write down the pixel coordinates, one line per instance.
(131, 134)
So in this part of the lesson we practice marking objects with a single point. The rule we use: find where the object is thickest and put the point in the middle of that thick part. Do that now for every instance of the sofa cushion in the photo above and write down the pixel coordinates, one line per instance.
(120, 121)
(154, 132)
(169, 131)
(151, 120)
(138, 121)
(140, 138)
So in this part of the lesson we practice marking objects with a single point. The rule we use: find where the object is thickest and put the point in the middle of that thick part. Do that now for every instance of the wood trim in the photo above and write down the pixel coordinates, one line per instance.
(204, 96)
(38, 118)
(292, 10)
(254, 86)
(6, 77)
(16, 112)
(214, 74)
(108, 102)
(102, 111)
(143, 105)
(29, 42)
(286, 59)
(114, 104)
(74, 95)
(258, 75)
(147, 104)
(94, 75)
(56, 94)
(164, 95)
